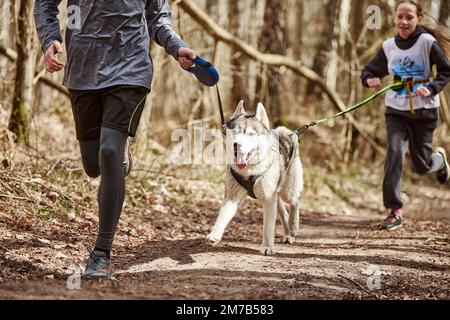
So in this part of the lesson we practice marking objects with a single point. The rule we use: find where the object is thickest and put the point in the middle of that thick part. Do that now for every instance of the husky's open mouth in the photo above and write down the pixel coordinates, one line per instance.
(242, 159)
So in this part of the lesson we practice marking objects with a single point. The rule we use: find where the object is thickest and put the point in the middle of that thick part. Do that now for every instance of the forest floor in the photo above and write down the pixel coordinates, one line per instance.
(48, 220)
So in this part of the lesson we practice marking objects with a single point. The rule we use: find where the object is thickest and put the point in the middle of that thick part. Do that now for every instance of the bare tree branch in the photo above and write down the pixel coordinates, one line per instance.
(297, 67)
(11, 55)
(8, 53)
(54, 85)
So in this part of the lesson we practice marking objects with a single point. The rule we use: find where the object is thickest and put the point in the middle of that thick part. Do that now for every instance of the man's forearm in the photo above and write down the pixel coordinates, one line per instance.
(170, 40)
(47, 23)
(159, 23)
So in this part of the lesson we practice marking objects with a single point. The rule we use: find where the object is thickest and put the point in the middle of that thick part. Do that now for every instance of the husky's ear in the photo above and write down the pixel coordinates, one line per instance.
(239, 110)
(261, 115)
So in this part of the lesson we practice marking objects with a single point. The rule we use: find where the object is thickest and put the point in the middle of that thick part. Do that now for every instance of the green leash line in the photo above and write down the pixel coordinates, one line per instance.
(395, 85)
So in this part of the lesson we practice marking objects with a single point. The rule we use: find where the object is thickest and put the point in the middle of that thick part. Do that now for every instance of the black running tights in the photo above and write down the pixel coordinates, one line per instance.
(104, 157)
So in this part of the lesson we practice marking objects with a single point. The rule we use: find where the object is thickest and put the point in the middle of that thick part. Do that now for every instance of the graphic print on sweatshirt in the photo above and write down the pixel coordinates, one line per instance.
(408, 67)
(410, 64)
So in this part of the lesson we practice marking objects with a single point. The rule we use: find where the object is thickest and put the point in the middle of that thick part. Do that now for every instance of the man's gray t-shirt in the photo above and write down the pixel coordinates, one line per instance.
(110, 44)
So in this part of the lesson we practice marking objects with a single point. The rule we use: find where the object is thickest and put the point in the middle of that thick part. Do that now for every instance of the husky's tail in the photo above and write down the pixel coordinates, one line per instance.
(287, 144)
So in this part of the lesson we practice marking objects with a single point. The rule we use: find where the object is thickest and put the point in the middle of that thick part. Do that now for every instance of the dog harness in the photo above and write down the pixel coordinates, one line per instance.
(246, 183)
(249, 183)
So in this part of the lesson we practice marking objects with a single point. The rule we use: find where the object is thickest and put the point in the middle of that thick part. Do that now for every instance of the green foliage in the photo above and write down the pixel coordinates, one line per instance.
(44, 212)
(19, 123)
(214, 174)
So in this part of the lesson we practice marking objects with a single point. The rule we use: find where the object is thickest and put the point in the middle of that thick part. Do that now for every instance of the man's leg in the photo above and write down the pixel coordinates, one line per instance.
(110, 201)
(112, 186)
(122, 107)
(87, 113)
(90, 157)
(121, 110)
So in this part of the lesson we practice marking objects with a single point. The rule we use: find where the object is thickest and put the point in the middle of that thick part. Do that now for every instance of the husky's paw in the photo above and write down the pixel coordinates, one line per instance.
(212, 239)
(288, 239)
(267, 251)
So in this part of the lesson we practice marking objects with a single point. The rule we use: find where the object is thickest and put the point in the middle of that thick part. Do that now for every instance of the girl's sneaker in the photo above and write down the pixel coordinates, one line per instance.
(443, 175)
(393, 221)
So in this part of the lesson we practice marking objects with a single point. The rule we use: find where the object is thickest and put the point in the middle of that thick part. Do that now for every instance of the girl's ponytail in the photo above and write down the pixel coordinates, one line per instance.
(442, 35)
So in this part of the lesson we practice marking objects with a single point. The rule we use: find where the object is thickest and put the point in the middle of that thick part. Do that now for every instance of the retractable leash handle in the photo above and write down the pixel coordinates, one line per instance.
(204, 71)
(208, 75)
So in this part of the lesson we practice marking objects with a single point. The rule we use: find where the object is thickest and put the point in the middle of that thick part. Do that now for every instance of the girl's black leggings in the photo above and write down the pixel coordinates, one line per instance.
(414, 133)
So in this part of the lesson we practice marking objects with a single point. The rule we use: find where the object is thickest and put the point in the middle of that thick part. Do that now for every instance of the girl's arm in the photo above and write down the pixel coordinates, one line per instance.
(376, 68)
(438, 57)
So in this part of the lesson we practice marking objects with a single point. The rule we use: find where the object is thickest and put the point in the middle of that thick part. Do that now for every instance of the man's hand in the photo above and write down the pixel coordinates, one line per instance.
(183, 54)
(52, 64)
(374, 83)
(423, 91)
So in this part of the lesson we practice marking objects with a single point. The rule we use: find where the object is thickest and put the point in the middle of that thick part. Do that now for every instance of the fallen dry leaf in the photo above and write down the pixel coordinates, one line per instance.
(42, 240)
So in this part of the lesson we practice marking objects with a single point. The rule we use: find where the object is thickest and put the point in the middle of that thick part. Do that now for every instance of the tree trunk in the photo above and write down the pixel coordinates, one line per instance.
(357, 25)
(297, 45)
(444, 12)
(387, 9)
(358, 10)
(238, 60)
(254, 22)
(4, 42)
(298, 42)
(326, 36)
(426, 5)
(210, 6)
(23, 87)
(272, 40)
(340, 19)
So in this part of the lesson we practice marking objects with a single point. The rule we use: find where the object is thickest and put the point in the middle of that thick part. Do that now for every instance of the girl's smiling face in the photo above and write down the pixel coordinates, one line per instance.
(406, 19)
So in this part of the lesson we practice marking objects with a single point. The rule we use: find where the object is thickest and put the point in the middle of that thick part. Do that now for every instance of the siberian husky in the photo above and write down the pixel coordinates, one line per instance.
(266, 166)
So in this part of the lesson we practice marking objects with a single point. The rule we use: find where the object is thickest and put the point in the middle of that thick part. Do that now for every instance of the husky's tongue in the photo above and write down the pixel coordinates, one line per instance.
(242, 160)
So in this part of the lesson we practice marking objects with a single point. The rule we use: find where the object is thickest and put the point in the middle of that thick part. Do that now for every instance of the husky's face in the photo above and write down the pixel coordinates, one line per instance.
(249, 135)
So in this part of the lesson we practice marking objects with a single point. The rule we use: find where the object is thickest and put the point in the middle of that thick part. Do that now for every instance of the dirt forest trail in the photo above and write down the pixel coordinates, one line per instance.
(308, 62)
(335, 257)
